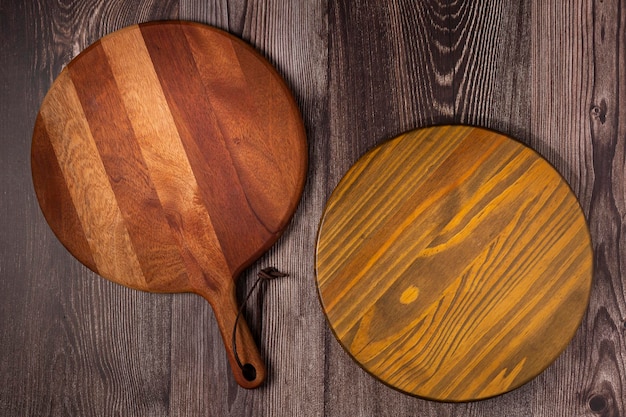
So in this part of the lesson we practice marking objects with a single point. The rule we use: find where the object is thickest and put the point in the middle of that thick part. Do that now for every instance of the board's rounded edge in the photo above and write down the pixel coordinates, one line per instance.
(589, 281)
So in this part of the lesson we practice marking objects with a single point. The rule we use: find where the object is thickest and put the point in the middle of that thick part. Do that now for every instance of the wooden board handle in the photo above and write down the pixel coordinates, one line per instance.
(252, 372)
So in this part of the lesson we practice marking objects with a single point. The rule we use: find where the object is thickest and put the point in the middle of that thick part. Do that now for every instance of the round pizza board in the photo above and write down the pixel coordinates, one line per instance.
(453, 263)
(167, 157)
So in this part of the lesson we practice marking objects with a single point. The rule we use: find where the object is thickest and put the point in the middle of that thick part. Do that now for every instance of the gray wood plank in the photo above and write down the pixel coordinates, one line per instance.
(70, 342)
(603, 339)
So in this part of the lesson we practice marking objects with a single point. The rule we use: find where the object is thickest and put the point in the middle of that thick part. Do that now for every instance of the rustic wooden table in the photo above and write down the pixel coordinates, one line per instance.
(550, 73)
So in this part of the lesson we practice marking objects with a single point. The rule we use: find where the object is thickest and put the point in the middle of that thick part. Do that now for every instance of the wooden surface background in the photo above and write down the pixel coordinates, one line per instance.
(552, 73)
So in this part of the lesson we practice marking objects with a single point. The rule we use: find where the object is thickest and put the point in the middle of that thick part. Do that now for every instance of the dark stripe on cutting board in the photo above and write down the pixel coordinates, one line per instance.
(235, 223)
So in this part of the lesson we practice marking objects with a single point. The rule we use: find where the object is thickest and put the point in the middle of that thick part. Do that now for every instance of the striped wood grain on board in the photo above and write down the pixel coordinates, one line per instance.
(167, 157)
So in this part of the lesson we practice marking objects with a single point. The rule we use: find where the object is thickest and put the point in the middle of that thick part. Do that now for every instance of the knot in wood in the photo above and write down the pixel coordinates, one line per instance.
(597, 403)
(599, 111)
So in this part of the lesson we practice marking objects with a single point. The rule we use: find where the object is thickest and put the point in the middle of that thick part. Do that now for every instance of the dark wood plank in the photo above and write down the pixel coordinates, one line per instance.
(528, 87)
(490, 49)
(605, 330)
(68, 342)
(389, 72)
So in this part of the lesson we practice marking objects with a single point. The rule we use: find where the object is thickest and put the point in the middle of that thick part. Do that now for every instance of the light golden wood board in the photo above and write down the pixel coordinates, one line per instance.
(453, 263)
(167, 157)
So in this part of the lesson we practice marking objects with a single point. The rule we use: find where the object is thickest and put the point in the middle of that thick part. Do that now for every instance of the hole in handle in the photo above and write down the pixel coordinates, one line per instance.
(249, 372)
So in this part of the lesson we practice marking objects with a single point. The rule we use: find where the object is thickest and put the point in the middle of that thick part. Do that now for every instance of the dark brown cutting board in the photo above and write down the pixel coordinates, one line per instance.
(453, 263)
(167, 157)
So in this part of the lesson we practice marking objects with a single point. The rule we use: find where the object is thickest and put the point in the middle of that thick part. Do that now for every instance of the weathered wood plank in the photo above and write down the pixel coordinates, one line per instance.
(389, 72)
(489, 46)
(71, 343)
(605, 331)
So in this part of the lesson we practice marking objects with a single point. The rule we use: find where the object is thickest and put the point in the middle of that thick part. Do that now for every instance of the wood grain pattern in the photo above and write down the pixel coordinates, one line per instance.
(175, 188)
(285, 314)
(606, 151)
(72, 343)
(76, 343)
(453, 263)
